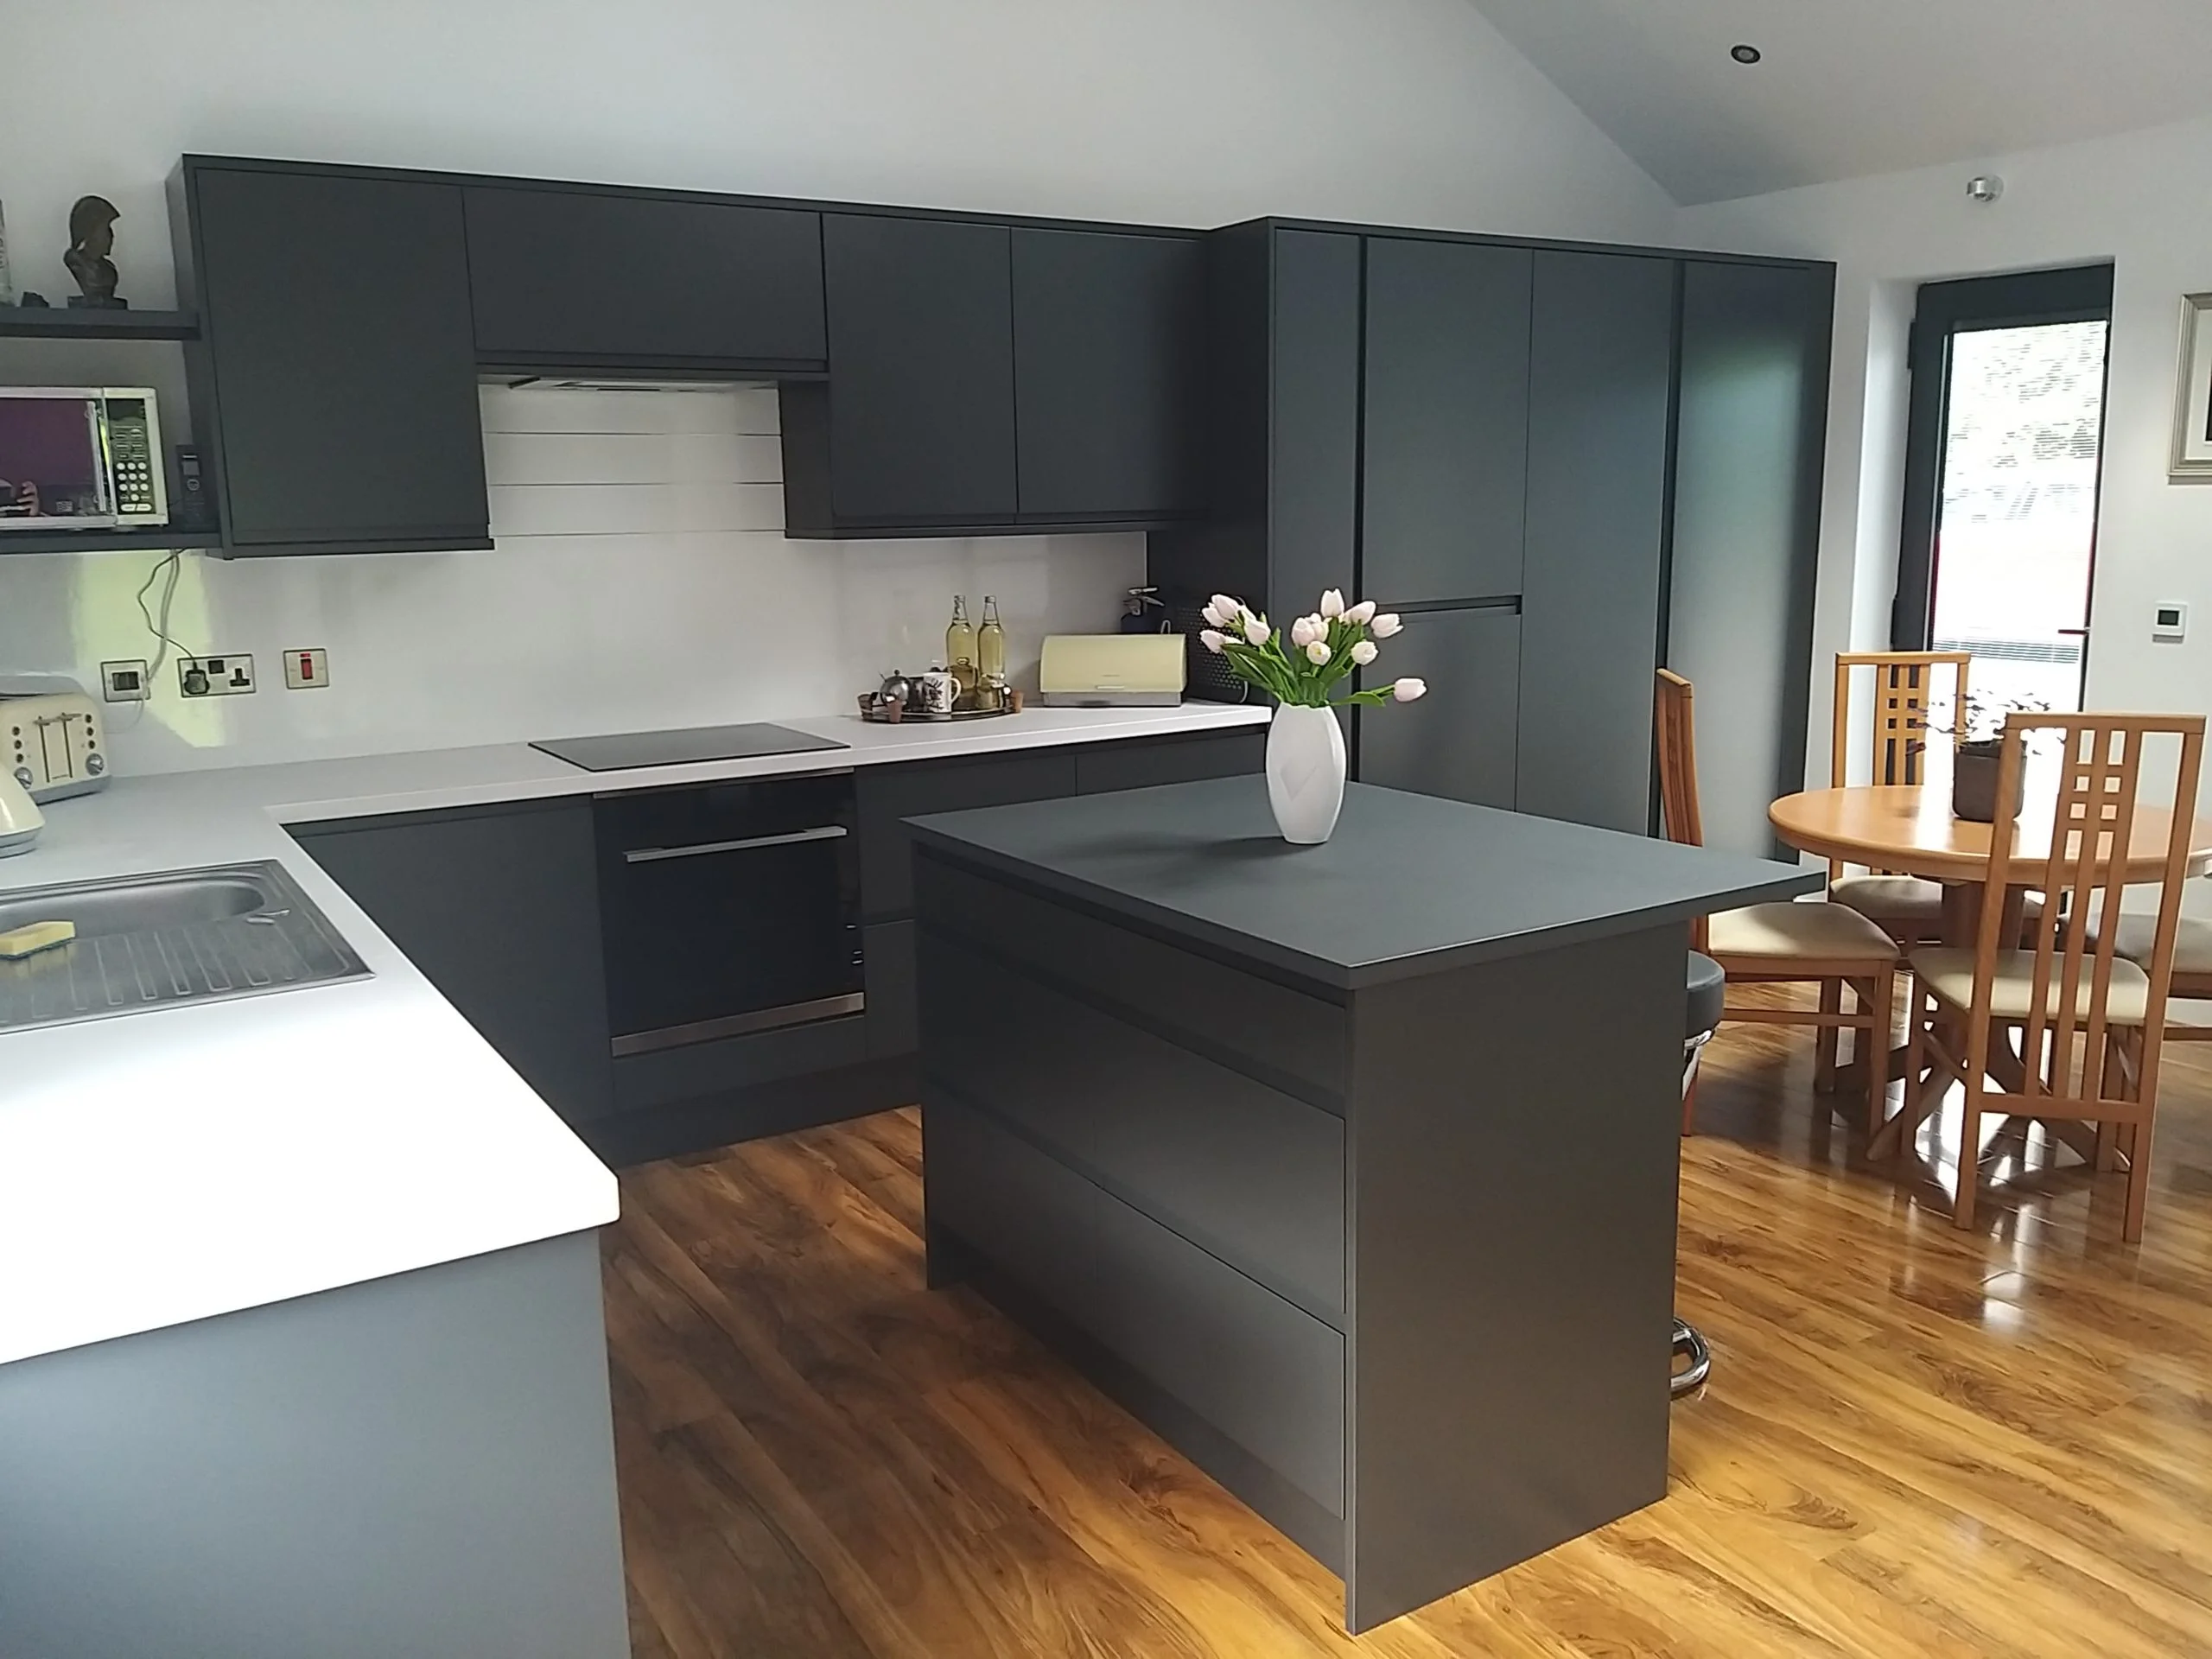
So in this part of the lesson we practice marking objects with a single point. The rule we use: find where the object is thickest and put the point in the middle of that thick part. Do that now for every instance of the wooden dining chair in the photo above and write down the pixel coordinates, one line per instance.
(1908, 908)
(2137, 942)
(2075, 1025)
(1822, 943)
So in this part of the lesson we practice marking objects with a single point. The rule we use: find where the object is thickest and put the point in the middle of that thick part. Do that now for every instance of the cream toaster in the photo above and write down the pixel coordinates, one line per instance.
(52, 745)
(1110, 671)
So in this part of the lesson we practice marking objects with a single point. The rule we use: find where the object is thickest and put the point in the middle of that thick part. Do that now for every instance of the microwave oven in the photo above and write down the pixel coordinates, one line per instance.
(81, 458)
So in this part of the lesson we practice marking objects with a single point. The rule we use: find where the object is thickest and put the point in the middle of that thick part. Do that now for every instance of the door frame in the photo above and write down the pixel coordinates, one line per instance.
(1946, 310)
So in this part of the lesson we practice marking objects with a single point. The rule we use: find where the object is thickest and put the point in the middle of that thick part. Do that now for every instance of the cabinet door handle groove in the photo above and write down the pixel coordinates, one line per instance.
(750, 844)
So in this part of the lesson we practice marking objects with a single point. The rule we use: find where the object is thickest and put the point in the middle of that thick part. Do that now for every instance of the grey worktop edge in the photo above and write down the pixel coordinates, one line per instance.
(1181, 927)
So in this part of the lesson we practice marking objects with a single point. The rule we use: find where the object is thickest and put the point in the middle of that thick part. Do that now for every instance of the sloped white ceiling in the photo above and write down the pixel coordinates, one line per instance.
(1850, 87)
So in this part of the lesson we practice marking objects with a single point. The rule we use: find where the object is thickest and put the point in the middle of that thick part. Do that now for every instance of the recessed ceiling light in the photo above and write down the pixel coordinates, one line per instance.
(1745, 53)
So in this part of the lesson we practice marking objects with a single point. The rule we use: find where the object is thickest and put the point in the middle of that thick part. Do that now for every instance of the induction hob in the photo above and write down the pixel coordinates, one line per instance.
(626, 750)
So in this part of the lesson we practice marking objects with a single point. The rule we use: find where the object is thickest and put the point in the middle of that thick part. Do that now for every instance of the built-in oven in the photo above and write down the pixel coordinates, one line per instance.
(727, 909)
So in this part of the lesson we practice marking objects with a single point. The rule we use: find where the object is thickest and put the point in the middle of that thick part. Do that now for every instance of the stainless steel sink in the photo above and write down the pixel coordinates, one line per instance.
(152, 941)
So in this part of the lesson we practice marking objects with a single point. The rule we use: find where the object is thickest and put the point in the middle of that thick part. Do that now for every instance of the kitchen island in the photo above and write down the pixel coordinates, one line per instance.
(1351, 1168)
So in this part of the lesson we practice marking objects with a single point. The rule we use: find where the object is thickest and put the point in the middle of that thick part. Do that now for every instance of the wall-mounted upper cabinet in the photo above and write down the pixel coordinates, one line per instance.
(335, 382)
(603, 281)
(914, 431)
(993, 378)
(1109, 364)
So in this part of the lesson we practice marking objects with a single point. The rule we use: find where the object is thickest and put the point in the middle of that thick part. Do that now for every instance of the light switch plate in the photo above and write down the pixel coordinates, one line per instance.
(125, 681)
(228, 676)
(304, 671)
(2169, 621)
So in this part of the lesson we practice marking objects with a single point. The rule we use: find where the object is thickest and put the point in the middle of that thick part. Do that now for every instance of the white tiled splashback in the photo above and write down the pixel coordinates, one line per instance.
(641, 580)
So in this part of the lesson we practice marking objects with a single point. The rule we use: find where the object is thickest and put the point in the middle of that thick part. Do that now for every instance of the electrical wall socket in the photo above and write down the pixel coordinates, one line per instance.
(215, 676)
(306, 669)
(125, 681)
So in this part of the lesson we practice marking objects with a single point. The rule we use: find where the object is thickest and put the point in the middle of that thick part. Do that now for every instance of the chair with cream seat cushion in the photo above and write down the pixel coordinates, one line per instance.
(1908, 908)
(1794, 933)
(1821, 943)
(1948, 972)
(2070, 1031)
(2192, 968)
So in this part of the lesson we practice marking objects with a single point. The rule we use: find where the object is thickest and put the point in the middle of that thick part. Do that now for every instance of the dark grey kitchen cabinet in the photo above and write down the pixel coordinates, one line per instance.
(1602, 355)
(890, 794)
(914, 431)
(334, 384)
(1170, 760)
(1463, 740)
(1282, 423)
(1752, 426)
(499, 908)
(1445, 452)
(1614, 454)
(1109, 334)
(604, 280)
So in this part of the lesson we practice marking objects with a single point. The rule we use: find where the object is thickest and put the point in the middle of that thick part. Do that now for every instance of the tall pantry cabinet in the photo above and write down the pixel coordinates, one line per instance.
(1534, 452)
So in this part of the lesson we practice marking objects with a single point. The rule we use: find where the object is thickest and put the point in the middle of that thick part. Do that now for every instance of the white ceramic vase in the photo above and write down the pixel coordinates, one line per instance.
(1306, 772)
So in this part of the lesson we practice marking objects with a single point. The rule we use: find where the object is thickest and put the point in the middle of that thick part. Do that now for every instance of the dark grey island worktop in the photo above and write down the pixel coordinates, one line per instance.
(1349, 1168)
(1409, 884)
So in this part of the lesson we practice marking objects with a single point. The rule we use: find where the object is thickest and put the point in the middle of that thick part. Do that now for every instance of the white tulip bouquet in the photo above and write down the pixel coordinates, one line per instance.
(1303, 667)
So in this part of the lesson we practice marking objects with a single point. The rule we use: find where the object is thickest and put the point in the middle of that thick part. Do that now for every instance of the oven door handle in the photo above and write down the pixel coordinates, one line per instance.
(796, 837)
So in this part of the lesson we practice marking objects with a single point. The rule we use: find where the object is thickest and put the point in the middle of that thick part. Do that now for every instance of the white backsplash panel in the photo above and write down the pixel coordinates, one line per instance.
(640, 580)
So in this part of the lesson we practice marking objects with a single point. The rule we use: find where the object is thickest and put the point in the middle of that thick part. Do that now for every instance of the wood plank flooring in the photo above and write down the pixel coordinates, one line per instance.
(1916, 1440)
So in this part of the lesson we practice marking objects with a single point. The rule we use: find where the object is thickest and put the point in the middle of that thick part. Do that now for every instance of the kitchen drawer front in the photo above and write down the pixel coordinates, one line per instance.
(1170, 760)
(1248, 1173)
(888, 794)
(1270, 1377)
(1288, 1039)
(894, 1019)
(1031, 1216)
(722, 1065)
(1266, 1375)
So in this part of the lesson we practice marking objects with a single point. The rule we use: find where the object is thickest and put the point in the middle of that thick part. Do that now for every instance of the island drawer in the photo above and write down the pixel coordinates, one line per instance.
(1297, 1042)
(1243, 1170)
(1263, 1374)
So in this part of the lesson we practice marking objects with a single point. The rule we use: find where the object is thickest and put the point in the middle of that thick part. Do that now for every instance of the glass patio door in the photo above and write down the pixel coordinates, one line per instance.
(2005, 450)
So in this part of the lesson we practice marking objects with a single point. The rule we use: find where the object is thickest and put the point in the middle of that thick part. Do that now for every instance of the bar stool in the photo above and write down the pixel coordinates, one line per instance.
(1708, 990)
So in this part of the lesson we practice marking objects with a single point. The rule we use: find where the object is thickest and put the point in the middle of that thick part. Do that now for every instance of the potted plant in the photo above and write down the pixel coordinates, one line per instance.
(1302, 668)
(1978, 733)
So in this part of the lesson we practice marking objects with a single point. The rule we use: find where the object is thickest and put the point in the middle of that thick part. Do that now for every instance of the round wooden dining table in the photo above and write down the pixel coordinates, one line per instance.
(1909, 829)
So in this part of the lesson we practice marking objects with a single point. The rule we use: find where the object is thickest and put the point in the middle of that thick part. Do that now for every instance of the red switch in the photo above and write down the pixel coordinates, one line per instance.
(307, 665)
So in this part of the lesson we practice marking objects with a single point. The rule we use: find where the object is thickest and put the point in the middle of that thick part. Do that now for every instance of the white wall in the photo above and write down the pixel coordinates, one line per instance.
(641, 580)
(2143, 200)
(1170, 111)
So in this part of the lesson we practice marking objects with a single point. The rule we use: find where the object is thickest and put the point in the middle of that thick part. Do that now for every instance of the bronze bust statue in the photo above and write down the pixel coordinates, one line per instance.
(91, 239)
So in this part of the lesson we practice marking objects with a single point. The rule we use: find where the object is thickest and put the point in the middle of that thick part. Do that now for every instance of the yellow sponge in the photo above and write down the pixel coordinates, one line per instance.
(34, 937)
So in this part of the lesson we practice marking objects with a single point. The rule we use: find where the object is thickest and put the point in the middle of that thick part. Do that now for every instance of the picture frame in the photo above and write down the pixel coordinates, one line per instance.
(2192, 461)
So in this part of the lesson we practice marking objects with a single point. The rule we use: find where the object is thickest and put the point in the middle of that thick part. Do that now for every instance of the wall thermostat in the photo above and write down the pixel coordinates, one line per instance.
(2170, 622)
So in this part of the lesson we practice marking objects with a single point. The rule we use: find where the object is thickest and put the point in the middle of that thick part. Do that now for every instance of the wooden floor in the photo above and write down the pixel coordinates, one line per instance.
(1916, 1440)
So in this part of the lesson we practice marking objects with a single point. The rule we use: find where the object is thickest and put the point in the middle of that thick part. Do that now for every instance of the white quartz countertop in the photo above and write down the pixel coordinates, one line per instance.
(197, 1159)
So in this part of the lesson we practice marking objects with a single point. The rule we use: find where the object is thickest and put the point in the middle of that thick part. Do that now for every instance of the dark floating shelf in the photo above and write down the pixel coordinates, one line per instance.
(62, 323)
(105, 540)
